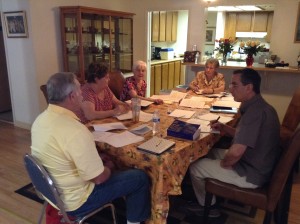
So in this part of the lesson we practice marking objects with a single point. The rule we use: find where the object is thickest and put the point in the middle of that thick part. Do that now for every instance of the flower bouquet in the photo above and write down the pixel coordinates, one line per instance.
(225, 47)
(251, 48)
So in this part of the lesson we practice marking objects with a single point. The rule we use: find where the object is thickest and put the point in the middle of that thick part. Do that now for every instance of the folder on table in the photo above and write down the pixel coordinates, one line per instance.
(156, 145)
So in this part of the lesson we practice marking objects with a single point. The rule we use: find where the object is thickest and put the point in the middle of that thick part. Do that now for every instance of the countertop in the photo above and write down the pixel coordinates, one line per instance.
(155, 62)
(256, 66)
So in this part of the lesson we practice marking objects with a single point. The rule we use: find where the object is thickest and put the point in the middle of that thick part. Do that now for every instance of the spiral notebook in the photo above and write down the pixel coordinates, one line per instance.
(156, 145)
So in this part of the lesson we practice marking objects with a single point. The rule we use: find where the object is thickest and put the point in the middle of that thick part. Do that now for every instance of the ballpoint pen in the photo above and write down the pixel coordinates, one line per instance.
(215, 121)
(158, 143)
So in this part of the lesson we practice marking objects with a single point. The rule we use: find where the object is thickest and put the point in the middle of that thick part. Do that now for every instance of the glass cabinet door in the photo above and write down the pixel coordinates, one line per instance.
(93, 35)
(123, 44)
(71, 43)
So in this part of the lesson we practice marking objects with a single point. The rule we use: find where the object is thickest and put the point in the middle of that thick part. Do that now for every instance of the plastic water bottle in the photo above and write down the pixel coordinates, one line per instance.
(197, 58)
(156, 123)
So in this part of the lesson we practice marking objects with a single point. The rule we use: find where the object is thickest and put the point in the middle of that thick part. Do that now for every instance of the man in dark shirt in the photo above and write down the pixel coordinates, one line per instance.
(249, 161)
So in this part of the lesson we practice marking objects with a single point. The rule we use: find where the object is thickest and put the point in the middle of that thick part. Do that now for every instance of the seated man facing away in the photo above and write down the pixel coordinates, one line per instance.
(249, 161)
(67, 150)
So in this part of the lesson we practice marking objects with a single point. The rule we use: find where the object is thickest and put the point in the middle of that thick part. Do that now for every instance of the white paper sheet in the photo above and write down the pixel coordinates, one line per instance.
(109, 126)
(210, 117)
(192, 103)
(174, 96)
(117, 139)
(204, 125)
(227, 103)
(182, 113)
(144, 103)
(144, 117)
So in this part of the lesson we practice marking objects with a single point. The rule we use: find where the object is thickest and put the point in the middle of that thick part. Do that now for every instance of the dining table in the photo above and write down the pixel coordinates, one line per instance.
(166, 170)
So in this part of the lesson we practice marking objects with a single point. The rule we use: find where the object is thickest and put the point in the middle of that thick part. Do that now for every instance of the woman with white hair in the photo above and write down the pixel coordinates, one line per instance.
(136, 86)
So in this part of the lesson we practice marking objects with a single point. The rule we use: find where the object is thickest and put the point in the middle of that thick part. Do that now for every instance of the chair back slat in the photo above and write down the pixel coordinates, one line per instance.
(283, 169)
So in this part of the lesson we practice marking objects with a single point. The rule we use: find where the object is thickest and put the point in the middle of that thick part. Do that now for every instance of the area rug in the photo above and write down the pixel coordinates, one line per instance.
(230, 211)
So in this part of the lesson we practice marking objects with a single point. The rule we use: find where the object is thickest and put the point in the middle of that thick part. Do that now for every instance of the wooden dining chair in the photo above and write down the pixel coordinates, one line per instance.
(116, 83)
(290, 122)
(266, 197)
(43, 88)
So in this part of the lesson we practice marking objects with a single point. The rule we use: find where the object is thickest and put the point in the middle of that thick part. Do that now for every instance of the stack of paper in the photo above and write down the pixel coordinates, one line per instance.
(174, 96)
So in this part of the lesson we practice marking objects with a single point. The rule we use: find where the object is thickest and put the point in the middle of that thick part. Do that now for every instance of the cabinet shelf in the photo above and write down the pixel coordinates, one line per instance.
(84, 28)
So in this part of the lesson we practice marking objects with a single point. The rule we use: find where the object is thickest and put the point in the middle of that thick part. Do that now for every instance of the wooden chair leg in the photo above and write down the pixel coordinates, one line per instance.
(208, 199)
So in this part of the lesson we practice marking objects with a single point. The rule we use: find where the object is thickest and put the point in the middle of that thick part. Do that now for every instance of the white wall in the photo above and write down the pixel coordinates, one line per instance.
(32, 60)
(21, 67)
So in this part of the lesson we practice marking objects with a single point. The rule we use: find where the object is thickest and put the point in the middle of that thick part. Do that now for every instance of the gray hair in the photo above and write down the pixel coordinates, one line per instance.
(212, 61)
(138, 64)
(59, 86)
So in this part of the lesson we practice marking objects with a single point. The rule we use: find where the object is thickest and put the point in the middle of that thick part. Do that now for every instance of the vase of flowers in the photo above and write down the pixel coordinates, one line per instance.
(225, 47)
(251, 48)
(249, 60)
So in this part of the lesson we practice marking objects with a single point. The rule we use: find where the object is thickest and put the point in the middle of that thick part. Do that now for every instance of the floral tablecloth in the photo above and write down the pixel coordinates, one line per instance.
(166, 170)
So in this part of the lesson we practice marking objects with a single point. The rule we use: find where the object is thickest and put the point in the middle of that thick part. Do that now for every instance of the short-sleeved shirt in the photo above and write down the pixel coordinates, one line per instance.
(131, 84)
(88, 94)
(66, 148)
(201, 81)
(258, 129)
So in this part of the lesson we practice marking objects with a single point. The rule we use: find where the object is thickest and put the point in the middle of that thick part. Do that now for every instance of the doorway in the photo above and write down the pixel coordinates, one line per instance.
(5, 99)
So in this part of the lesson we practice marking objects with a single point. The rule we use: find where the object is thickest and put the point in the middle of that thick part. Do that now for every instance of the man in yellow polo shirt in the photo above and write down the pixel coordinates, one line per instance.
(67, 149)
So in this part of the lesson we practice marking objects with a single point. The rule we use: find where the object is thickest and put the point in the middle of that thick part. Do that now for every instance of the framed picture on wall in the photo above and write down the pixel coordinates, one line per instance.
(210, 35)
(297, 30)
(16, 24)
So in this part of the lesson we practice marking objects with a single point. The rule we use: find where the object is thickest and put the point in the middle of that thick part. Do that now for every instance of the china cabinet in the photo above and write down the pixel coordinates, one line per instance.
(96, 35)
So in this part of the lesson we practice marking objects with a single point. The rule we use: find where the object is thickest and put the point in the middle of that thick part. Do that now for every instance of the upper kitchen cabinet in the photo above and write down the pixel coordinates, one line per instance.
(164, 26)
(248, 22)
(96, 35)
(253, 22)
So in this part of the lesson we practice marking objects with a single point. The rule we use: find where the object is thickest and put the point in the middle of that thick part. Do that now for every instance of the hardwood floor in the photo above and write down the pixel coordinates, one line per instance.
(16, 209)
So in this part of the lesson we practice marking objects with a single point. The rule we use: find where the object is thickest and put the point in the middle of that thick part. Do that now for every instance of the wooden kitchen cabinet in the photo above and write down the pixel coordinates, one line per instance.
(164, 26)
(96, 35)
(155, 26)
(253, 22)
(166, 75)
(230, 25)
(244, 22)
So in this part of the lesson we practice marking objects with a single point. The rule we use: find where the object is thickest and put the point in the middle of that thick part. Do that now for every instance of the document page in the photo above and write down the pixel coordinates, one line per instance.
(182, 113)
(227, 103)
(117, 139)
(109, 126)
(144, 117)
(192, 103)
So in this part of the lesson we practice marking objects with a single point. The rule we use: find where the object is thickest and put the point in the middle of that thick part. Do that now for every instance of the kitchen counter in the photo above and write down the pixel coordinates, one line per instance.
(155, 62)
(240, 65)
